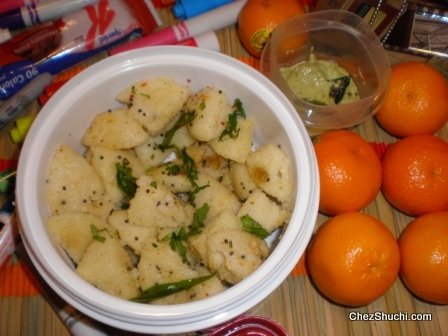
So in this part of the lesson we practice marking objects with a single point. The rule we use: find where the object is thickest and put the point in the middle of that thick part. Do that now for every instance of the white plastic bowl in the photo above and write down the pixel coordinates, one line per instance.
(67, 115)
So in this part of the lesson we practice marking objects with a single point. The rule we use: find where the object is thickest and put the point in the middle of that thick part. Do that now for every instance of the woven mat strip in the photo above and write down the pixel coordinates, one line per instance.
(17, 280)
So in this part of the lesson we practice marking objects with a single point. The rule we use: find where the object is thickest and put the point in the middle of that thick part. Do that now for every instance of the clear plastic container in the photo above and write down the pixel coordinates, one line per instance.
(336, 35)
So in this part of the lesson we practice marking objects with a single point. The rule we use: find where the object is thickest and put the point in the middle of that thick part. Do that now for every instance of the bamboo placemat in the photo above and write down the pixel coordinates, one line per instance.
(28, 306)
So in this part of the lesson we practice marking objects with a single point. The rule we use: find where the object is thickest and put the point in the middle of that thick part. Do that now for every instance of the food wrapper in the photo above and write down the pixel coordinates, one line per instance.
(55, 46)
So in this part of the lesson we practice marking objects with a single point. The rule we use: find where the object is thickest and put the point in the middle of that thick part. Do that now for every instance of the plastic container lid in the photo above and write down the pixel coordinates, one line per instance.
(249, 325)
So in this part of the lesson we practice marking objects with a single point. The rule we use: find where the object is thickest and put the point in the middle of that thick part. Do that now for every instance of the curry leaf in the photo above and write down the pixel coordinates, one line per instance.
(338, 88)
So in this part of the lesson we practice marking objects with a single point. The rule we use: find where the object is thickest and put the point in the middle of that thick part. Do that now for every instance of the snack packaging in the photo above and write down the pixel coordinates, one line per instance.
(55, 46)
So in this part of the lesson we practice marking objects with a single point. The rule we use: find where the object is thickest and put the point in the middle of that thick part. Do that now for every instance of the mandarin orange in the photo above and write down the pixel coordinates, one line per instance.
(424, 257)
(258, 18)
(349, 172)
(415, 174)
(416, 102)
(353, 259)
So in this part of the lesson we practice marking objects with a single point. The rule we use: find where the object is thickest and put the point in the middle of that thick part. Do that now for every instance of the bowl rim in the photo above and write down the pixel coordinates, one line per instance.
(206, 313)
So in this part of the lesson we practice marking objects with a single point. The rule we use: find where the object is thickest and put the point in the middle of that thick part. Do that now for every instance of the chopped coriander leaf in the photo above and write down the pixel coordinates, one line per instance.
(199, 217)
(252, 226)
(145, 95)
(96, 233)
(184, 119)
(154, 184)
(176, 240)
(125, 180)
(192, 194)
(188, 167)
(231, 130)
(173, 169)
(177, 243)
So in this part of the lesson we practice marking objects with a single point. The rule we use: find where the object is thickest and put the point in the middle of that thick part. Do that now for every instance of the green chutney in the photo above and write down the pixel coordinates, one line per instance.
(320, 82)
